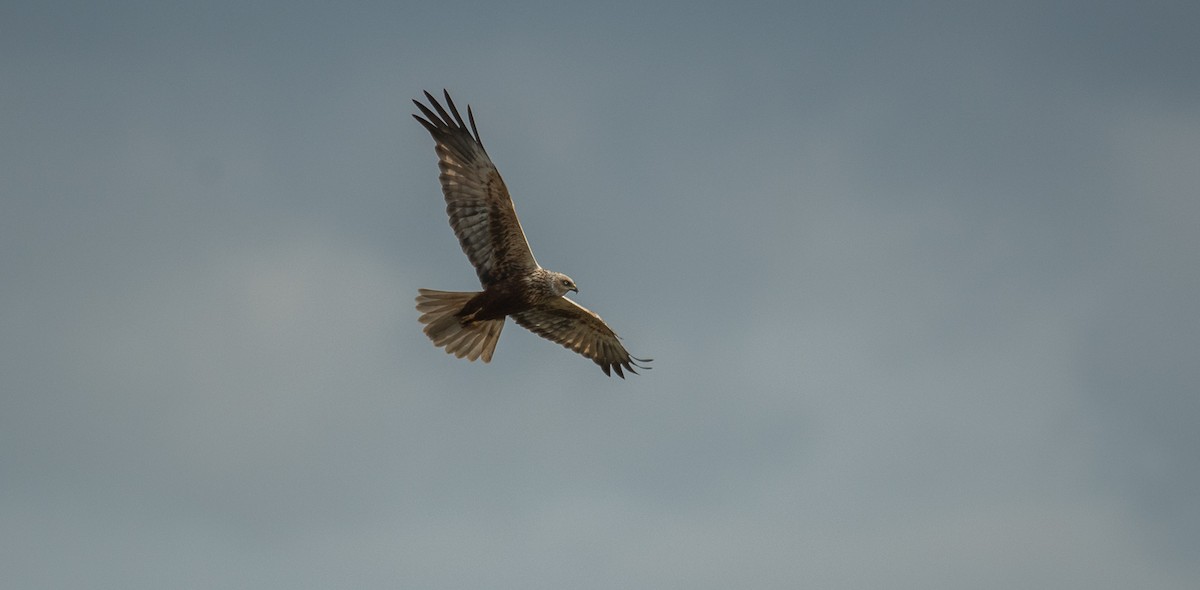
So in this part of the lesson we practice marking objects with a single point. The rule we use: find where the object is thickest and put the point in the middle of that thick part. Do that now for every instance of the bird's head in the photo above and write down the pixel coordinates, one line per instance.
(561, 283)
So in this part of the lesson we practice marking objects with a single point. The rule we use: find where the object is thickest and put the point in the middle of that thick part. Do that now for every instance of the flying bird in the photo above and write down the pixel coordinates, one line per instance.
(468, 324)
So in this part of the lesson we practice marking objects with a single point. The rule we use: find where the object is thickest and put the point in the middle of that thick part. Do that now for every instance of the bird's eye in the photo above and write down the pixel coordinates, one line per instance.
(566, 282)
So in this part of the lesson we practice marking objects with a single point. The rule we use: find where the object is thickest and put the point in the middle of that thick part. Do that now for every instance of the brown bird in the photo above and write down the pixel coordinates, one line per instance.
(468, 324)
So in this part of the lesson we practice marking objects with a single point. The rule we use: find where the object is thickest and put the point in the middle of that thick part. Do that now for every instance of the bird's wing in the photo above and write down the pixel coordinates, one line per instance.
(481, 212)
(577, 328)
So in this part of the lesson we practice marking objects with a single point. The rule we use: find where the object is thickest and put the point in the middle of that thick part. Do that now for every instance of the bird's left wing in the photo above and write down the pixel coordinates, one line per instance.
(481, 212)
(577, 328)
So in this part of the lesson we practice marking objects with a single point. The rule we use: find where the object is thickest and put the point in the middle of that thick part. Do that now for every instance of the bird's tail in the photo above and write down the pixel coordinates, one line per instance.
(470, 339)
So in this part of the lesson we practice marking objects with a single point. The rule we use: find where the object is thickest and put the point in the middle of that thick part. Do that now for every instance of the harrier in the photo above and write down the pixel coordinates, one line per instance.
(468, 324)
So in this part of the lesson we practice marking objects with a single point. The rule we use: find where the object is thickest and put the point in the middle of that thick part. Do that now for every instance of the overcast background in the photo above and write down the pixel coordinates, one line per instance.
(920, 283)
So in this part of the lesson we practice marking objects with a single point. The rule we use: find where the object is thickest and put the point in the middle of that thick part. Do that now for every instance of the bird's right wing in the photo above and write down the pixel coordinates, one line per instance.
(481, 212)
(575, 327)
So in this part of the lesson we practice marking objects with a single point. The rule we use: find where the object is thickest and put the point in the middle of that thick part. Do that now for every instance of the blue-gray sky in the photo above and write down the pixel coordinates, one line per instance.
(920, 281)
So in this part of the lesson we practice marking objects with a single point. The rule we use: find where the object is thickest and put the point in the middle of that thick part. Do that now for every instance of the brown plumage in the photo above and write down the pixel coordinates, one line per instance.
(468, 324)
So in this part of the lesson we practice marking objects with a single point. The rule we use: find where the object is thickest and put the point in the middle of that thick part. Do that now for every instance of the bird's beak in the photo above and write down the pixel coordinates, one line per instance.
(575, 289)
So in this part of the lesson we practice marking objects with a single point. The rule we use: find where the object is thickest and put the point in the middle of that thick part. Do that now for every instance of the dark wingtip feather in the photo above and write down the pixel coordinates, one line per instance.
(444, 121)
(471, 118)
(454, 109)
(426, 124)
(632, 365)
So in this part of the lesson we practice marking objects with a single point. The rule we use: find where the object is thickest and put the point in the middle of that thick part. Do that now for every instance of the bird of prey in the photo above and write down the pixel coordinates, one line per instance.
(468, 324)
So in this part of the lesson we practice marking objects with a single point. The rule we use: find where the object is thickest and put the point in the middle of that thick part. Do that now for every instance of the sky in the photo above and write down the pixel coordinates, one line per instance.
(919, 280)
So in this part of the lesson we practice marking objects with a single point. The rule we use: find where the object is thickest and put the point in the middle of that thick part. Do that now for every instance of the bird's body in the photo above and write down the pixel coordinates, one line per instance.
(468, 324)
(506, 297)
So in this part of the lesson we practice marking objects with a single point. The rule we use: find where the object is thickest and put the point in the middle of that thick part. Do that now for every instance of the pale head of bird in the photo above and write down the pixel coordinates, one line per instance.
(561, 283)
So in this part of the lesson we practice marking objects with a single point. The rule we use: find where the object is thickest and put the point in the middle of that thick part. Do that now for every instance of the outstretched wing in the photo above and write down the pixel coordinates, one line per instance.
(574, 327)
(481, 212)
